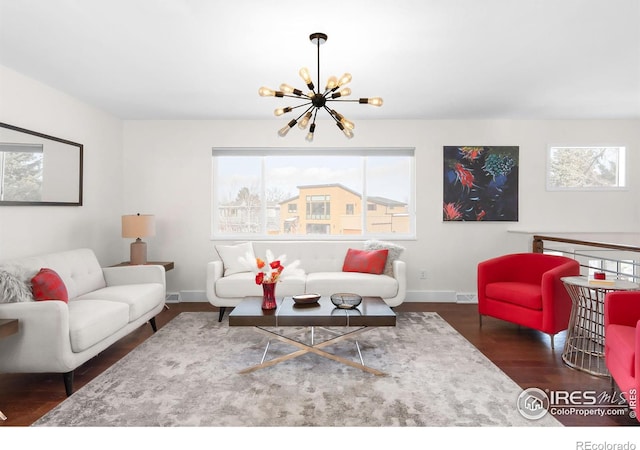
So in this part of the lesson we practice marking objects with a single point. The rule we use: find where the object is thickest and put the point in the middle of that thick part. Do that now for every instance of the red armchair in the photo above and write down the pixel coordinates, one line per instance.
(622, 343)
(525, 288)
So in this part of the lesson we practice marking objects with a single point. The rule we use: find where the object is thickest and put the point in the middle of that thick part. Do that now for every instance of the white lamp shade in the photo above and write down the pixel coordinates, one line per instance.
(138, 226)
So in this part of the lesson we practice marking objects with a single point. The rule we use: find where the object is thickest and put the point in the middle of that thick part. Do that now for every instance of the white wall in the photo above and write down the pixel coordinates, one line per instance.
(164, 168)
(30, 230)
(167, 172)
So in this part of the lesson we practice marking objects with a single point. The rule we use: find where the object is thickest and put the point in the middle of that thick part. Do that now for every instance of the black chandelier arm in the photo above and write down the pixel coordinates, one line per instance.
(346, 100)
(303, 96)
(331, 113)
(305, 111)
(300, 106)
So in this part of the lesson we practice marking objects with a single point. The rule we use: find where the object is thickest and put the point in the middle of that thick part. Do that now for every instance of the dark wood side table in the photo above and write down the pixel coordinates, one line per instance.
(7, 328)
(168, 265)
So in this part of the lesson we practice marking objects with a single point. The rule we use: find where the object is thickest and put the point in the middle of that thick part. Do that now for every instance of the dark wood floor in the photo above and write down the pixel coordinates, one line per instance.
(523, 354)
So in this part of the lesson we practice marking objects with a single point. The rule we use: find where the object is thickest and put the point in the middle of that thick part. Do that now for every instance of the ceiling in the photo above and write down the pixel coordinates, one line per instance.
(428, 59)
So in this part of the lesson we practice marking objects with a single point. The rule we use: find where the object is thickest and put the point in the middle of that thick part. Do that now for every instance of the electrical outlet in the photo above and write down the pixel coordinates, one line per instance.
(423, 274)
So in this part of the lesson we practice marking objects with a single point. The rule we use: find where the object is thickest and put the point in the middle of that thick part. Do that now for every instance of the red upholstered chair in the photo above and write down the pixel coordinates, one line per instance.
(622, 343)
(525, 288)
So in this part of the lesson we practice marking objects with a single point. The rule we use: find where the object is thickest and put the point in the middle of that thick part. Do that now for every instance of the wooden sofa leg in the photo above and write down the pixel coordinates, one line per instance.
(480, 316)
(552, 345)
(152, 321)
(68, 382)
(221, 315)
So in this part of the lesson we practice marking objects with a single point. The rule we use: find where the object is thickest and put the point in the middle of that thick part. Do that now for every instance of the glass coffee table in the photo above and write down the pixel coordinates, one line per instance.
(372, 312)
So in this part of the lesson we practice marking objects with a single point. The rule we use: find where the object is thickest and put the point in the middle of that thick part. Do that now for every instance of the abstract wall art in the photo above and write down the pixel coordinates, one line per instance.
(480, 183)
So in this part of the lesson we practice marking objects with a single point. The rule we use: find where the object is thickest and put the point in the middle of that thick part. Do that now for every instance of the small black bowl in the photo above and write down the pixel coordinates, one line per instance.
(345, 300)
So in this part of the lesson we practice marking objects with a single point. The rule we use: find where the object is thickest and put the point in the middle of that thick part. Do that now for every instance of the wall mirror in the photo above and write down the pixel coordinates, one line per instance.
(37, 169)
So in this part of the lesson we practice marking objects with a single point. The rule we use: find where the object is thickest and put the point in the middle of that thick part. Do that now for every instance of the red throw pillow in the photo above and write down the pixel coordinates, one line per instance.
(365, 261)
(47, 285)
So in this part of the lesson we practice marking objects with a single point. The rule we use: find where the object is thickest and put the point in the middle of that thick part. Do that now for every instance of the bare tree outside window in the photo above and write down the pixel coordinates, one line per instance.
(586, 168)
(21, 175)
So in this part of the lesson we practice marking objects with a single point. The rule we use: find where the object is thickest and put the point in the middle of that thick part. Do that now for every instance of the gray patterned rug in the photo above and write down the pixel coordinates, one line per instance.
(187, 375)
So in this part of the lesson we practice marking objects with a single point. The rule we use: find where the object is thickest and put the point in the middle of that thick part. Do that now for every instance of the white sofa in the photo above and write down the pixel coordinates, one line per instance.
(322, 262)
(105, 304)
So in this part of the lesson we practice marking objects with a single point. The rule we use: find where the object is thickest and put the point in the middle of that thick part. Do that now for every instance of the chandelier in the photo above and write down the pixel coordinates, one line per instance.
(315, 100)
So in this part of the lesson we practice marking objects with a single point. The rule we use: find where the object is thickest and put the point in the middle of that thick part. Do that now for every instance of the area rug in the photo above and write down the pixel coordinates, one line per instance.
(186, 375)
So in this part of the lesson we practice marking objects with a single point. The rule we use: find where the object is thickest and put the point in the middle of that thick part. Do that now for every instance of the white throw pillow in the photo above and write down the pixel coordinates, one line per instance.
(230, 256)
(394, 253)
(13, 288)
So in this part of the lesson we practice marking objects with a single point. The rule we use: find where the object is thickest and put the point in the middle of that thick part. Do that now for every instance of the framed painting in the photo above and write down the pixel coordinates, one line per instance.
(480, 183)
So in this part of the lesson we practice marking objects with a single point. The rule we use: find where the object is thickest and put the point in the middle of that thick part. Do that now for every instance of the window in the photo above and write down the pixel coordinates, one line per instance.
(586, 168)
(319, 207)
(351, 209)
(259, 193)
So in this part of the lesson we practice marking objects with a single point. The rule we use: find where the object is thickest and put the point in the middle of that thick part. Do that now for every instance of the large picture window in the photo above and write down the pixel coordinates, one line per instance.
(586, 168)
(313, 193)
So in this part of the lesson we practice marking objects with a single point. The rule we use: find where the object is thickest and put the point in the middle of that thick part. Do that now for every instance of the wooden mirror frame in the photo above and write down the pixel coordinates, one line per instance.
(77, 201)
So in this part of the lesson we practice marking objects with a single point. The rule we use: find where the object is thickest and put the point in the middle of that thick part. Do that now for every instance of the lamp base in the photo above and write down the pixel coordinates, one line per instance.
(138, 252)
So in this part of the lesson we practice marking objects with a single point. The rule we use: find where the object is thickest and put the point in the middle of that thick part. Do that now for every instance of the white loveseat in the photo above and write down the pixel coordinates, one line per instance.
(322, 263)
(104, 305)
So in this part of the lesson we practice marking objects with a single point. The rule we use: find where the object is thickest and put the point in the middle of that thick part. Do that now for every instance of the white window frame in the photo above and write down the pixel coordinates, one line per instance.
(622, 174)
(358, 151)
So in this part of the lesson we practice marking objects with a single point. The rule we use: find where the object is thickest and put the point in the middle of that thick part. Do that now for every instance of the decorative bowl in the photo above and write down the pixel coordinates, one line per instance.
(306, 299)
(346, 300)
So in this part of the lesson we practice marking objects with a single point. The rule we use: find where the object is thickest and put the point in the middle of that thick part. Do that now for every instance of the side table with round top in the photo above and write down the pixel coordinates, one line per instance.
(584, 347)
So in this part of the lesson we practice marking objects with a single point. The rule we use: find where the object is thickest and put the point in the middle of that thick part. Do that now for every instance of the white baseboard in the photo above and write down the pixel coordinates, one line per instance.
(412, 296)
(193, 296)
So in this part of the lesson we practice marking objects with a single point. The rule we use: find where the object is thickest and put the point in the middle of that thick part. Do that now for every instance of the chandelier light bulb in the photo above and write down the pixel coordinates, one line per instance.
(305, 121)
(332, 83)
(375, 101)
(282, 132)
(341, 93)
(266, 92)
(347, 123)
(347, 132)
(344, 79)
(310, 134)
(287, 89)
(306, 76)
(281, 111)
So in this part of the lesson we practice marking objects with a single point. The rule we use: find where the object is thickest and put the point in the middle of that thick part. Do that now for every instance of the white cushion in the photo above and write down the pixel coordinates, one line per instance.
(13, 288)
(139, 298)
(244, 285)
(364, 284)
(230, 256)
(91, 321)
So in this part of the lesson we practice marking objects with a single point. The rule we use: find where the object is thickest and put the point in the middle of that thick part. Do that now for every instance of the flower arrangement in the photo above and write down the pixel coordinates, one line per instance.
(269, 270)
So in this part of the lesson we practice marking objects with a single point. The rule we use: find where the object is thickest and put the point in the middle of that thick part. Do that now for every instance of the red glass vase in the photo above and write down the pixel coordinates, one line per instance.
(269, 296)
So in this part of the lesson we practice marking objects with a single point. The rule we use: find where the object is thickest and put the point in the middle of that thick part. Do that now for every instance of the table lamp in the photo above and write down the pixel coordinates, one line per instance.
(138, 226)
